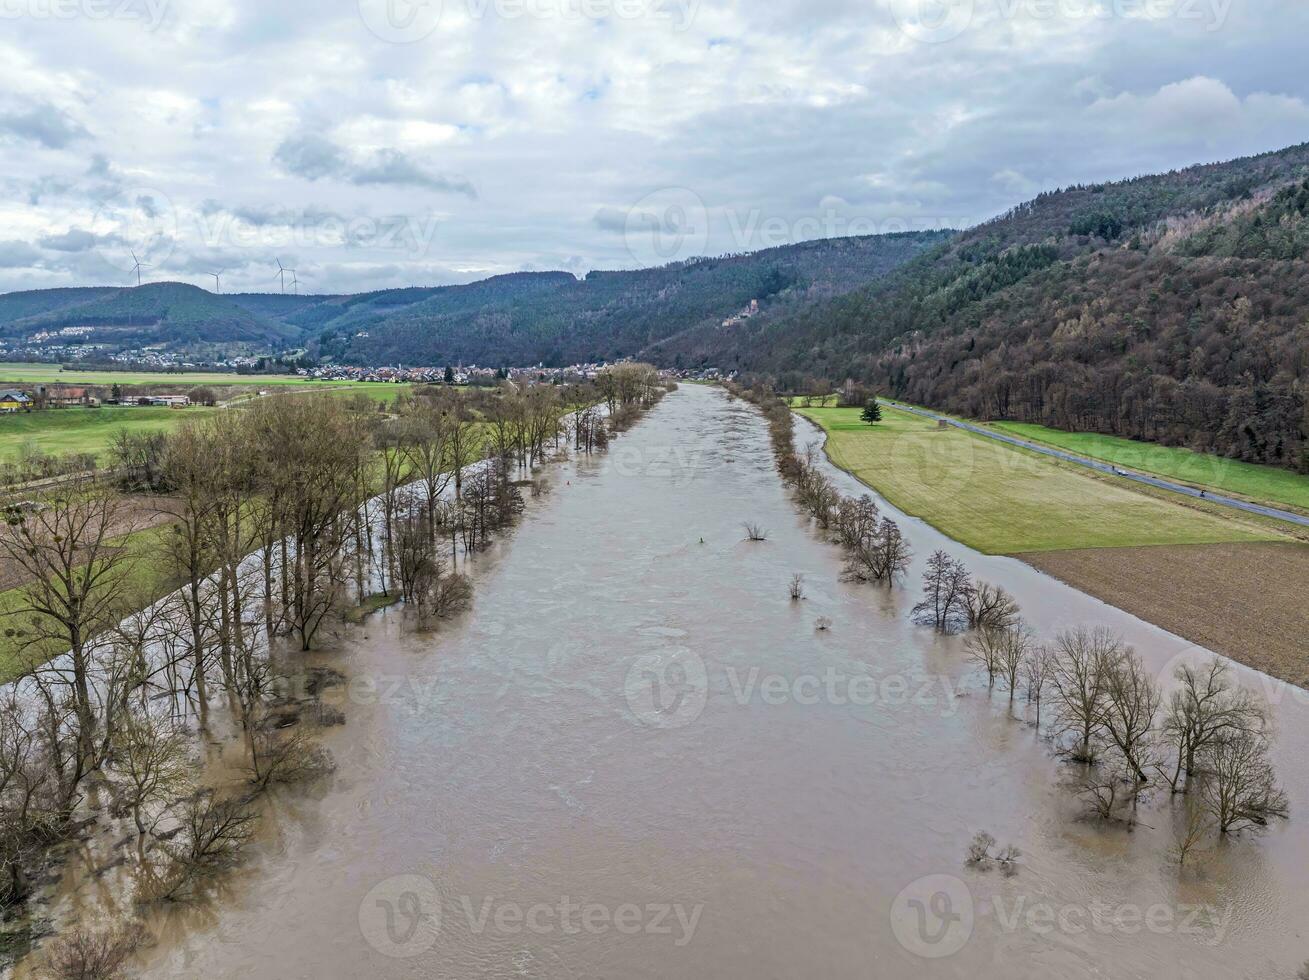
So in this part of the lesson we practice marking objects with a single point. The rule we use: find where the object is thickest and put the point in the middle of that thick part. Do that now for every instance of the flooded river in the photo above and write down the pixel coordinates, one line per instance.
(637, 757)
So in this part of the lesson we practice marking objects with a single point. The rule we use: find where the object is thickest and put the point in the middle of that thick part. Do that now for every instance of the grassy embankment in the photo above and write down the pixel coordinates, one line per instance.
(1003, 500)
(1270, 485)
(1261, 484)
(1219, 578)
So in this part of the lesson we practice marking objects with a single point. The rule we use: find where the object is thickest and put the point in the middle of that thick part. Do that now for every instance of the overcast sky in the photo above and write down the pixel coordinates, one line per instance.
(386, 143)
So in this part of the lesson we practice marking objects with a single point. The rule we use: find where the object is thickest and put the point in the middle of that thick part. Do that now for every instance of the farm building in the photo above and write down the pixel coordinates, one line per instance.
(14, 400)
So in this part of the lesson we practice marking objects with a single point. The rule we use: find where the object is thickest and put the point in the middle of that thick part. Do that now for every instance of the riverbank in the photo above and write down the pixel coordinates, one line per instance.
(638, 720)
(1220, 580)
(235, 757)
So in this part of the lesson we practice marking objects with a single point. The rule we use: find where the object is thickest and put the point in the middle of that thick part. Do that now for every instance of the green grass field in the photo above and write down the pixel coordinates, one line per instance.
(34, 374)
(380, 391)
(147, 581)
(1003, 500)
(58, 431)
(1262, 484)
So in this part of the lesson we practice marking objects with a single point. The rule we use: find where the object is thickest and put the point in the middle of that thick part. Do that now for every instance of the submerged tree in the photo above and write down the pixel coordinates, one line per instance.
(1206, 706)
(945, 594)
(1083, 661)
(75, 590)
(1240, 787)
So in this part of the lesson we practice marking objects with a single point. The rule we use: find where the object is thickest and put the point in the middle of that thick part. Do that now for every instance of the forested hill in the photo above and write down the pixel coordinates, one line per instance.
(172, 314)
(1173, 308)
(516, 319)
(559, 319)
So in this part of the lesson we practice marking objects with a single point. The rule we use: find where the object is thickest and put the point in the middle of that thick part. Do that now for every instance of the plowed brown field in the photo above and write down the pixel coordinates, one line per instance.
(1249, 601)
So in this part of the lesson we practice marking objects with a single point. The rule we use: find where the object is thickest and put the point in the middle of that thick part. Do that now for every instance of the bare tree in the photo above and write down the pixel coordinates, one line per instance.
(317, 445)
(395, 473)
(418, 565)
(1081, 671)
(1001, 652)
(31, 799)
(93, 954)
(154, 759)
(1038, 672)
(214, 831)
(1205, 707)
(451, 594)
(428, 456)
(1132, 704)
(464, 440)
(984, 650)
(1106, 788)
(189, 551)
(945, 590)
(797, 587)
(75, 590)
(755, 532)
(1014, 649)
(1191, 834)
(1240, 788)
(979, 849)
(285, 756)
(138, 460)
(855, 522)
(883, 557)
(990, 607)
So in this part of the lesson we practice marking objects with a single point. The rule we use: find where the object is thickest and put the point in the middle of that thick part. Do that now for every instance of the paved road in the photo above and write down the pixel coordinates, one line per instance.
(1095, 464)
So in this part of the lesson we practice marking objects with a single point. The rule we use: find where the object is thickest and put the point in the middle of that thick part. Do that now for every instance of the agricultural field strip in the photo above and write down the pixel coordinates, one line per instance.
(971, 489)
(91, 430)
(20, 373)
(1111, 469)
(1255, 482)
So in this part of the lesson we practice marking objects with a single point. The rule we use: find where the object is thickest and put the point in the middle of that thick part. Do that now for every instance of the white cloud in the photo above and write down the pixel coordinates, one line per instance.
(502, 143)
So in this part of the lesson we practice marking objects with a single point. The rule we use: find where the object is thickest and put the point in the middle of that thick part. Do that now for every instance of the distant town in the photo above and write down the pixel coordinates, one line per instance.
(173, 389)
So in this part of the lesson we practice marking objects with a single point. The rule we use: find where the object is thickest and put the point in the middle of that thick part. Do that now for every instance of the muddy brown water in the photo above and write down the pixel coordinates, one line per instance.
(637, 757)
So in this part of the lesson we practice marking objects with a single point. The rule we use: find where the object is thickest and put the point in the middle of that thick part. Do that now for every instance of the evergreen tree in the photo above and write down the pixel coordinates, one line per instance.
(872, 412)
(449, 375)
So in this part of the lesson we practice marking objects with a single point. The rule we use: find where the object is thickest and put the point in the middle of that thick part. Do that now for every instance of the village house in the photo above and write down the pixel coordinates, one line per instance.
(13, 400)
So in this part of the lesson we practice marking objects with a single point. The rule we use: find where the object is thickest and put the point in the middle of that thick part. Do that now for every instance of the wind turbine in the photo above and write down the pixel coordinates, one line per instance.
(217, 284)
(295, 283)
(281, 273)
(136, 267)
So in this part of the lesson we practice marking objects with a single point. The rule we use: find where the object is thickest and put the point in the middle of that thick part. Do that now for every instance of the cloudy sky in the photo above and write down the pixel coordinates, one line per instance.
(394, 142)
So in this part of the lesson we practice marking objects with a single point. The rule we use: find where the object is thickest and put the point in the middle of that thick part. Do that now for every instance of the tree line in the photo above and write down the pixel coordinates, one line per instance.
(1168, 308)
(1205, 740)
(274, 525)
(875, 548)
